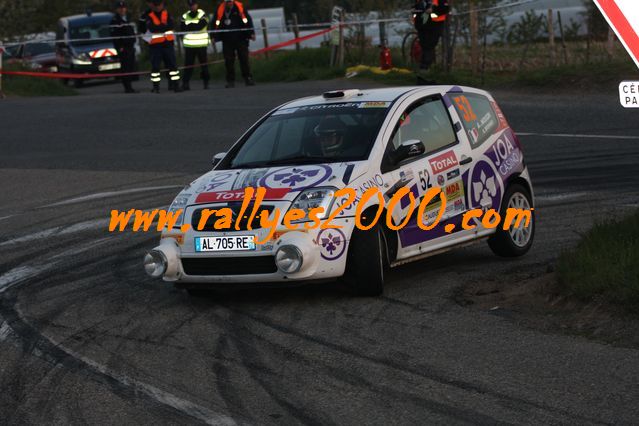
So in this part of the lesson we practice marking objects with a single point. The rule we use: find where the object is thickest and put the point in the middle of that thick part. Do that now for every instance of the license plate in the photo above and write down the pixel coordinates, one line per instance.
(107, 67)
(234, 243)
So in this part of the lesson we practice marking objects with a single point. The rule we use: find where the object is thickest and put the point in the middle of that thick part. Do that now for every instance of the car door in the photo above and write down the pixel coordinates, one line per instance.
(432, 121)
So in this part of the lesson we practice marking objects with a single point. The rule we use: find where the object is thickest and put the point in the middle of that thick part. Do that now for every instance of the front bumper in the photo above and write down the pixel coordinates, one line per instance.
(324, 254)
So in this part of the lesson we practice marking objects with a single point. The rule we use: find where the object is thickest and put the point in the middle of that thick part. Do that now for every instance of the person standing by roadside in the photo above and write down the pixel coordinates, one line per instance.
(231, 15)
(196, 43)
(430, 21)
(124, 41)
(161, 46)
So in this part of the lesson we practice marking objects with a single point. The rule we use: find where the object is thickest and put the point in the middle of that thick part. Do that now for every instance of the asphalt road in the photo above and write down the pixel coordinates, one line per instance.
(86, 337)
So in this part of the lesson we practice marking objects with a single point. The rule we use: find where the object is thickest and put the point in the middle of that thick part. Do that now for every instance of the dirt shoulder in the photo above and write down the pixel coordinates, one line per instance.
(534, 300)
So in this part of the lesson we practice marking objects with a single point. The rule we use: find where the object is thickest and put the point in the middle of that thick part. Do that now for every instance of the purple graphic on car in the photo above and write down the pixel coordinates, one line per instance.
(484, 186)
(296, 178)
(332, 243)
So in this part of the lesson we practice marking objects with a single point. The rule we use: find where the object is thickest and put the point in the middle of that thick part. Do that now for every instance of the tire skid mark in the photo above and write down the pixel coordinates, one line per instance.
(123, 385)
(245, 350)
(245, 335)
(35, 343)
(424, 370)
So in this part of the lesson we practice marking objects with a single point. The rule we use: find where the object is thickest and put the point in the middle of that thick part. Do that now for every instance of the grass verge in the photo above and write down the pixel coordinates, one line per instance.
(31, 86)
(605, 264)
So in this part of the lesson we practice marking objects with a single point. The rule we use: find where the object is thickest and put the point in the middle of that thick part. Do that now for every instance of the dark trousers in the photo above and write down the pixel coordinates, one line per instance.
(230, 49)
(190, 54)
(160, 53)
(127, 62)
(428, 39)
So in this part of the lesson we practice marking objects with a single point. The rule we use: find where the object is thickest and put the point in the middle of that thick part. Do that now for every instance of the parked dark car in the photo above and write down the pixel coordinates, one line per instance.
(37, 55)
(84, 47)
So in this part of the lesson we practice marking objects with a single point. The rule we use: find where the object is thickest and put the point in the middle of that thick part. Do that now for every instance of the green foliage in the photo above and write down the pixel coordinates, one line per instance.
(605, 264)
(529, 28)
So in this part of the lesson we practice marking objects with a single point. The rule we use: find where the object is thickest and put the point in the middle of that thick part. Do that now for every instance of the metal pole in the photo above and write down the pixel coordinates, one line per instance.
(1, 52)
(340, 60)
(563, 40)
(610, 47)
(296, 30)
(474, 39)
(265, 35)
(382, 33)
(551, 38)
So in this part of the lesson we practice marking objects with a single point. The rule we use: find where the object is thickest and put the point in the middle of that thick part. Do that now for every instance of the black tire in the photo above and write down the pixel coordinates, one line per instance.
(78, 83)
(366, 263)
(503, 243)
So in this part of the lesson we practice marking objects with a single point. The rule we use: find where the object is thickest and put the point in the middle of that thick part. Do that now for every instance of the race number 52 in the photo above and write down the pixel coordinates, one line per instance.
(464, 106)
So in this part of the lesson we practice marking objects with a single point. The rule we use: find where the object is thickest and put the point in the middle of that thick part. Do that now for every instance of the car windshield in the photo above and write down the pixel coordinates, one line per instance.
(324, 133)
(88, 32)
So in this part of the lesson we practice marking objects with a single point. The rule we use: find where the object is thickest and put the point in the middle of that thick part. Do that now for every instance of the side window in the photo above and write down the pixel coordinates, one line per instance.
(427, 121)
(477, 115)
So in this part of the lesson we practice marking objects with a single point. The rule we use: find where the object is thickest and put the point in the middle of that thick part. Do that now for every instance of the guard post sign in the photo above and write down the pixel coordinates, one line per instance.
(623, 17)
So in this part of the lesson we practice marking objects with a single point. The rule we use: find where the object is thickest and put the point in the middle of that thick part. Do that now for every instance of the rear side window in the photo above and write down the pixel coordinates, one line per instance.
(427, 121)
(478, 116)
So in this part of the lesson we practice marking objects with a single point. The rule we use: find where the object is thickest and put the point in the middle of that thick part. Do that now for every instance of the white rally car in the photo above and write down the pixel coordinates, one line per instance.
(304, 151)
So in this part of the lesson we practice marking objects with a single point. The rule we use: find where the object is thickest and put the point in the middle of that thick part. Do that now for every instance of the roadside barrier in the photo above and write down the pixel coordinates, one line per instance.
(331, 26)
(57, 75)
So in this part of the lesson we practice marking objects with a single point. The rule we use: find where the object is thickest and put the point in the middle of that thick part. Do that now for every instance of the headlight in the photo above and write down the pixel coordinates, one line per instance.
(313, 198)
(180, 202)
(81, 59)
(288, 259)
(155, 263)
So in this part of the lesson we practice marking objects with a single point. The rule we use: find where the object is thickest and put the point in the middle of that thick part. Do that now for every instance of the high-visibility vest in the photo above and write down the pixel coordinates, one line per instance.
(196, 39)
(163, 19)
(220, 13)
(437, 18)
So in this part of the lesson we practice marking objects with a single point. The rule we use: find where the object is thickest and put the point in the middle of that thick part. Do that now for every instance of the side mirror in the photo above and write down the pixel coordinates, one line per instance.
(409, 149)
(218, 157)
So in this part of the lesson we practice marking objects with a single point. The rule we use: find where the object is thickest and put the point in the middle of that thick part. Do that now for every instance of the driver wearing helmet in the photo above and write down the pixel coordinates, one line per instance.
(329, 136)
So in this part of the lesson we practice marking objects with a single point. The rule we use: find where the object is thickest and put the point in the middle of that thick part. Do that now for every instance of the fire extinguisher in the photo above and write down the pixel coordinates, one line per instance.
(385, 59)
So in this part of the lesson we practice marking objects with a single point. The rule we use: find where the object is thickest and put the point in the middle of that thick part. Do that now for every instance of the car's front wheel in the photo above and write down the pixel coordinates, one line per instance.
(366, 262)
(516, 240)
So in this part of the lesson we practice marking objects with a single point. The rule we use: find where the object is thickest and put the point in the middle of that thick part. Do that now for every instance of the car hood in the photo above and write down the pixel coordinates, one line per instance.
(90, 47)
(43, 59)
(282, 183)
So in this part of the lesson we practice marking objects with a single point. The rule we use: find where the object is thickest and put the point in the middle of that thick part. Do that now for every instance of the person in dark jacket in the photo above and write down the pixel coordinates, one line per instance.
(124, 41)
(161, 46)
(143, 17)
(430, 21)
(231, 15)
(196, 43)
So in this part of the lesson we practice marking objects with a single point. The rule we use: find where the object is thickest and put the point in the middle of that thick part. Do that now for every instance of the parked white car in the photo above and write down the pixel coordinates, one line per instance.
(304, 151)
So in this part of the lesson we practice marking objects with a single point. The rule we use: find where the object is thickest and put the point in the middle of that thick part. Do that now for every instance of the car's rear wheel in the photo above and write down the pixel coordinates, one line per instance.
(366, 262)
(516, 240)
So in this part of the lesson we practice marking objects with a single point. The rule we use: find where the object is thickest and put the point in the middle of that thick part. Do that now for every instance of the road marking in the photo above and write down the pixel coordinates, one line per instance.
(6, 217)
(17, 275)
(571, 135)
(59, 230)
(21, 273)
(5, 331)
(109, 194)
(66, 230)
(561, 196)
